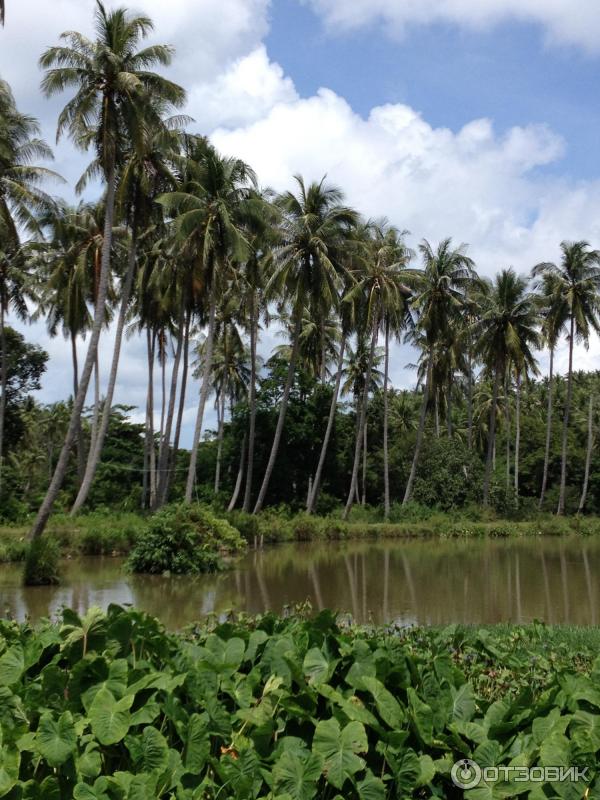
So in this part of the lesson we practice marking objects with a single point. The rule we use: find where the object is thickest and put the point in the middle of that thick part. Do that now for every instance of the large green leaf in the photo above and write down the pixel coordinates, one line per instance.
(197, 746)
(110, 718)
(388, 708)
(149, 751)
(338, 748)
(421, 717)
(297, 773)
(317, 668)
(12, 664)
(56, 739)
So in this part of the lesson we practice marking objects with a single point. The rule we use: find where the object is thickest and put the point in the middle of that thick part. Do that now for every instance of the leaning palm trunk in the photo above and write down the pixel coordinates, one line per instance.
(99, 316)
(191, 478)
(221, 424)
(565, 434)
(3, 381)
(386, 461)
(420, 431)
(164, 449)
(80, 448)
(332, 410)
(282, 413)
(362, 419)
(491, 448)
(96, 450)
(180, 410)
(148, 494)
(517, 434)
(240, 476)
(548, 429)
(588, 456)
(252, 403)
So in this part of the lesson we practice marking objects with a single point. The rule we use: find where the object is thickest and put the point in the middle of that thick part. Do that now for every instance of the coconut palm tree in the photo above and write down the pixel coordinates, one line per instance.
(438, 296)
(114, 84)
(307, 273)
(210, 211)
(577, 285)
(506, 336)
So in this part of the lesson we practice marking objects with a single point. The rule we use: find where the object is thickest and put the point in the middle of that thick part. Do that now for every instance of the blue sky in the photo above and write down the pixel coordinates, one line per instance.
(474, 119)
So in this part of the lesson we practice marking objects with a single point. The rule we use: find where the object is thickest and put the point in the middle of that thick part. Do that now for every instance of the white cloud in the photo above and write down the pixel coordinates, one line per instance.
(563, 21)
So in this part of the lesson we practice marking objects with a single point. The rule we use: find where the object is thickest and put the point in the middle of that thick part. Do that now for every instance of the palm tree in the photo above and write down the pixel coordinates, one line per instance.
(506, 336)
(145, 173)
(439, 295)
(577, 285)
(307, 271)
(554, 312)
(21, 200)
(111, 106)
(210, 213)
(588, 455)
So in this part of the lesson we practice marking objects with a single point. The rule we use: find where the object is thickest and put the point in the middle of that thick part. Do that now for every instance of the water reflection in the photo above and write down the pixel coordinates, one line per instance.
(429, 582)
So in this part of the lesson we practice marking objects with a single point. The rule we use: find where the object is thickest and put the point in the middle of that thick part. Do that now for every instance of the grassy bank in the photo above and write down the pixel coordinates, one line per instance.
(114, 533)
(112, 707)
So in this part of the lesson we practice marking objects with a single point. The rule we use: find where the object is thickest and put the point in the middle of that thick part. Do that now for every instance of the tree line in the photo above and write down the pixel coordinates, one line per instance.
(185, 248)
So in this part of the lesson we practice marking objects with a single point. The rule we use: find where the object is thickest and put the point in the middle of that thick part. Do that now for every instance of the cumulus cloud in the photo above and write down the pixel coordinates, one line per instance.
(563, 21)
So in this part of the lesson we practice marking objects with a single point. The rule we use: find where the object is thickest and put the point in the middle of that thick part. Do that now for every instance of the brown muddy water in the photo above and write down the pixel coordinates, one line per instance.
(433, 581)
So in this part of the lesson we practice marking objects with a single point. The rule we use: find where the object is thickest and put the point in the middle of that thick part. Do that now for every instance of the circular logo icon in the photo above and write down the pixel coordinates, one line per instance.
(466, 774)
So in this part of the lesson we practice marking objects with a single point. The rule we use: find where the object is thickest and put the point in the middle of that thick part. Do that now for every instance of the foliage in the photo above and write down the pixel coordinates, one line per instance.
(184, 540)
(41, 563)
(112, 707)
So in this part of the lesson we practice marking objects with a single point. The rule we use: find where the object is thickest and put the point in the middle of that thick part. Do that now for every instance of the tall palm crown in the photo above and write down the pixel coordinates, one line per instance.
(574, 285)
(309, 263)
(553, 307)
(507, 331)
(113, 82)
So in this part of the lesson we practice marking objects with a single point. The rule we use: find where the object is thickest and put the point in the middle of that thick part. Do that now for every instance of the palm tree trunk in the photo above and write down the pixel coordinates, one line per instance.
(96, 410)
(282, 412)
(386, 460)
(181, 409)
(362, 419)
(470, 400)
(420, 431)
(491, 437)
(332, 411)
(148, 426)
(3, 382)
(252, 403)
(204, 389)
(548, 429)
(507, 421)
(163, 394)
(240, 475)
(363, 501)
(565, 434)
(588, 456)
(80, 448)
(96, 451)
(449, 409)
(164, 450)
(437, 414)
(221, 415)
(99, 316)
(517, 433)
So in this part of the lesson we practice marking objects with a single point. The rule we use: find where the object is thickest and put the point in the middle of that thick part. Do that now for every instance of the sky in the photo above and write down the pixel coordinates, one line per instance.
(475, 119)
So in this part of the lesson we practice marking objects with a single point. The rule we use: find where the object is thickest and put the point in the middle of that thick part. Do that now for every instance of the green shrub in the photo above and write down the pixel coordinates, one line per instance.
(184, 540)
(41, 563)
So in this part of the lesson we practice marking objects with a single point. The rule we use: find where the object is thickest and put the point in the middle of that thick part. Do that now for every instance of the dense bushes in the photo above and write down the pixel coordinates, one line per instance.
(184, 540)
(110, 707)
(41, 563)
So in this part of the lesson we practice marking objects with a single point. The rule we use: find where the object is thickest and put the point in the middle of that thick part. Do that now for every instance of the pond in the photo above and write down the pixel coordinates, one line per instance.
(433, 581)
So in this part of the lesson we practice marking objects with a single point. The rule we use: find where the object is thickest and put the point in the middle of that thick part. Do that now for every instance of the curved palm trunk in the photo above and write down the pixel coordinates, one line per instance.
(96, 451)
(420, 431)
(362, 419)
(330, 421)
(588, 456)
(491, 437)
(191, 478)
(386, 461)
(96, 411)
(548, 429)
(565, 434)
(181, 409)
(3, 382)
(80, 448)
(252, 403)
(240, 476)
(517, 434)
(282, 412)
(221, 415)
(99, 316)
(164, 449)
